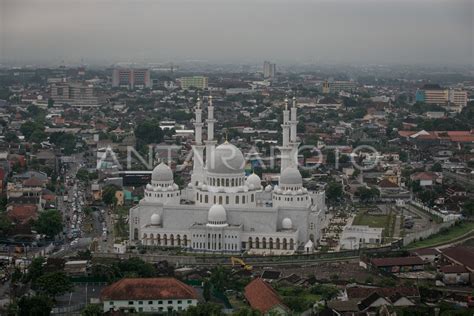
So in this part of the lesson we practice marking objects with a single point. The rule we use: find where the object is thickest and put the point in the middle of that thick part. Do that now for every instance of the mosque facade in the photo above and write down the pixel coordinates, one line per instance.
(224, 211)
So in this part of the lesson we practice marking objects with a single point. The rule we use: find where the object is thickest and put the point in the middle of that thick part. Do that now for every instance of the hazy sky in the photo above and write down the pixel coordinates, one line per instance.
(285, 31)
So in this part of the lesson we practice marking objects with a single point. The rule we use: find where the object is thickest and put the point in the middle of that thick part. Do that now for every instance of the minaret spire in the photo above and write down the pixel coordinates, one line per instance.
(210, 142)
(198, 148)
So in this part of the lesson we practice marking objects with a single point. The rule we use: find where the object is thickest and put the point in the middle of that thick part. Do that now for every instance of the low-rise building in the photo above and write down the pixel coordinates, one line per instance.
(150, 295)
(359, 236)
(262, 297)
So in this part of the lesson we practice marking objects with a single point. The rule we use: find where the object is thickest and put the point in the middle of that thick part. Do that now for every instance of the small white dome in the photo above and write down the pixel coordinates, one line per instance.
(149, 187)
(292, 176)
(170, 188)
(286, 223)
(155, 219)
(217, 215)
(162, 173)
(300, 191)
(268, 188)
(255, 180)
(204, 187)
(190, 185)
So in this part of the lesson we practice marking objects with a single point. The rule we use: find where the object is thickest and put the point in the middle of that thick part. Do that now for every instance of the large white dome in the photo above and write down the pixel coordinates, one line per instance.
(292, 176)
(254, 180)
(155, 219)
(217, 215)
(286, 223)
(228, 159)
(162, 173)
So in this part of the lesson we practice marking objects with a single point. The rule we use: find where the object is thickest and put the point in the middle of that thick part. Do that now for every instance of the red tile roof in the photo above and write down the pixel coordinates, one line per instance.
(261, 296)
(454, 269)
(461, 255)
(397, 261)
(385, 183)
(362, 292)
(148, 289)
(424, 176)
(33, 182)
(22, 213)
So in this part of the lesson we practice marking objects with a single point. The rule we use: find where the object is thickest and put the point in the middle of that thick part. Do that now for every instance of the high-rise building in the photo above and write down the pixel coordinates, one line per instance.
(131, 78)
(75, 94)
(199, 82)
(451, 99)
(269, 69)
(342, 85)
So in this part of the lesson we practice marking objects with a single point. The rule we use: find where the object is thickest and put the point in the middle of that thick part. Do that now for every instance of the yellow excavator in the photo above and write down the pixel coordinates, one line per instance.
(241, 262)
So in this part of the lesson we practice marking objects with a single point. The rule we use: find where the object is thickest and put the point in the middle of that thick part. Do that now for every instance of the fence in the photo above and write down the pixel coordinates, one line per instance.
(415, 236)
(68, 309)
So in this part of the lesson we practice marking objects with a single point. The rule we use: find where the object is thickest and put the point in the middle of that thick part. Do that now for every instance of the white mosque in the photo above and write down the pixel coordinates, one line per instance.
(224, 211)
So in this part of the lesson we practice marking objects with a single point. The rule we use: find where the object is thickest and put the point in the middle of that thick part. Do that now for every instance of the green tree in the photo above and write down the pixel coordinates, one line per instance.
(334, 191)
(49, 223)
(149, 132)
(5, 224)
(54, 283)
(35, 270)
(206, 309)
(206, 291)
(38, 305)
(436, 167)
(92, 310)
(82, 175)
(247, 311)
(108, 194)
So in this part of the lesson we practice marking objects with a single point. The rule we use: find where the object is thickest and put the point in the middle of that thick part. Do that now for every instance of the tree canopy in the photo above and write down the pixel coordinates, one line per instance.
(49, 223)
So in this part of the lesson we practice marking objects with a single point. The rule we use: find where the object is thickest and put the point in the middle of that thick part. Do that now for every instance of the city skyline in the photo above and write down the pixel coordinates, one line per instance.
(343, 31)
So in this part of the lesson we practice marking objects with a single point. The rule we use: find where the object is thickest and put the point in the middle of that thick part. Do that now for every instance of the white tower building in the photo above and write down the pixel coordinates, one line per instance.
(198, 148)
(210, 142)
(285, 149)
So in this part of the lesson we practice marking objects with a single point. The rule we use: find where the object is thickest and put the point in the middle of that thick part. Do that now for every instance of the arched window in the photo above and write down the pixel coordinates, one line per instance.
(270, 242)
(264, 243)
(218, 182)
(165, 240)
(257, 243)
(226, 182)
(178, 240)
(232, 182)
(185, 240)
(220, 200)
(227, 199)
(250, 246)
(206, 199)
(278, 243)
(284, 244)
(171, 240)
(200, 198)
(243, 199)
(252, 199)
(236, 199)
(158, 239)
(152, 239)
(214, 199)
(292, 245)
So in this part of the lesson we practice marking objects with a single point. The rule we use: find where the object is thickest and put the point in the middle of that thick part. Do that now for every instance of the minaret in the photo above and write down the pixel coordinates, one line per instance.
(285, 149)
(210, 143)
(198, 147)
(293, 137)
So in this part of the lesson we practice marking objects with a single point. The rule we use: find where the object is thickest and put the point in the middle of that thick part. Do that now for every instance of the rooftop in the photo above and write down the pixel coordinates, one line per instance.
(148, 289)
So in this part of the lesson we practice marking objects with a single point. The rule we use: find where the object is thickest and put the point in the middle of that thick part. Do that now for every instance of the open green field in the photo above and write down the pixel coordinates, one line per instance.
(444, 236)
(371, 220)
(387, 222)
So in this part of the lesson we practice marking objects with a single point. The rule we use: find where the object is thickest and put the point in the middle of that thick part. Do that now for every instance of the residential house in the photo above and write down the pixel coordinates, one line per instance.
(262, 297)
(398, 264)
(148, 295)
